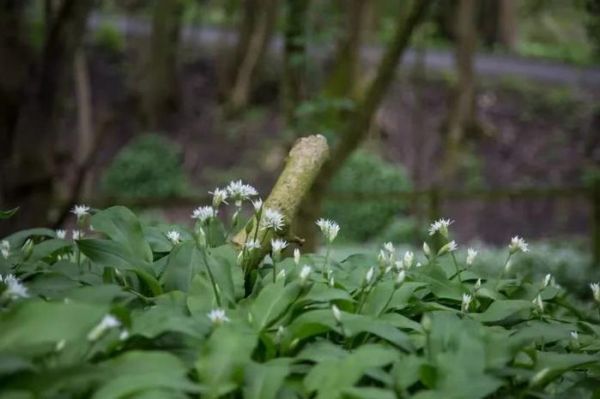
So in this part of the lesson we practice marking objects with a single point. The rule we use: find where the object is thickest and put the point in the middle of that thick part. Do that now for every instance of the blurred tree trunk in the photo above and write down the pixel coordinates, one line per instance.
(32, 167)
(261, 20)
(344, 78)
(294, 58)
(159, 90)
(462, 111)
(507, 21)
(358, 123)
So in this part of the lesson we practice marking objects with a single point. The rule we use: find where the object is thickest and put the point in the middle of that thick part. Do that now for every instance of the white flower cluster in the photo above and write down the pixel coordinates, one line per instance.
(80, 211)
(595, 287)
(174, 236)
(466, 302)
(14, 288)
(272, 219)
(278, 245)
(441, 226)
(219, 197)
(471, 255)
(329, 228)
(238, 191)
(218, 316)
(204, 213)
(252, 244)
(517, 244)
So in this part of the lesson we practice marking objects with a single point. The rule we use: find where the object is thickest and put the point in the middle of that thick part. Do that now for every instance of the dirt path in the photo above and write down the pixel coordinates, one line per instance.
(486, 65)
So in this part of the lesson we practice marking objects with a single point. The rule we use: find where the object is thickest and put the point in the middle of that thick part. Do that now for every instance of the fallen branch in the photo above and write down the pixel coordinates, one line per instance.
(302, 167)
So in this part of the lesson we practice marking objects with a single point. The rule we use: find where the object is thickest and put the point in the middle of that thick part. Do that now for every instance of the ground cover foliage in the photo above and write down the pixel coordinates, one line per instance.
(119, 309)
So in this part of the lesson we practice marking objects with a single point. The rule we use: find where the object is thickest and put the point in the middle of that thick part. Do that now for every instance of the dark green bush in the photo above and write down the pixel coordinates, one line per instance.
(368, 175)
(109, 37)
(148, 167)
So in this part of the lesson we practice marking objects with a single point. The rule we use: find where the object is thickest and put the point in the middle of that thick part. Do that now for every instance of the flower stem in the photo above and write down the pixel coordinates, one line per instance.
(458, 270)
(211, 277)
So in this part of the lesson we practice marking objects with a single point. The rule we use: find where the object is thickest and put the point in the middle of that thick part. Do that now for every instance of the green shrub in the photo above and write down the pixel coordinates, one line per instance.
(366, 174)
(148, 167)
(127, 312)
(109, 37)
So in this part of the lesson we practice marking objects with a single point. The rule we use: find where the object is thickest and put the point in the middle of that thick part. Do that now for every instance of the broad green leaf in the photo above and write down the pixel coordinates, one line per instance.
(263, 381)
(223, 358)
(368, 393)
(183, 263)
(501, 310)
(7, 214)
(355, 324)
(272, 301)
(160, 319)
(17, 239)
(48, 248)
(46, 323)
(121, 225)
(135, 372)
(331, 377)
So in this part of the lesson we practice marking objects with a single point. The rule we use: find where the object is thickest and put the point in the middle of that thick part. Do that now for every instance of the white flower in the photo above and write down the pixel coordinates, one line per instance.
(304, 273)
(440, 225)
(547, 280)
(408, 259)
(239, 192)
(278, 245)
(384, 257)
(478, 284)
(252, 244)
(124, 335)
(471, 254)
(596, 291)
(297, 256)
(108, 321)
(508, 266)
(449, 247)
(257, 204)
(174, 236)
(466, 302)
(272, 219)
(204, 213)
(329, 228)
(575, 335)
(369, 275)
(331, 282)
(400, 278)
(77, 235)
(219, 197)
(388, 246)
(539, 303)
(61, 234)
(426, 250)
(218, 316)
(517, 244)
(280, 333)
(5, 249)
(80, 210)
(337, 314)
(14, 288)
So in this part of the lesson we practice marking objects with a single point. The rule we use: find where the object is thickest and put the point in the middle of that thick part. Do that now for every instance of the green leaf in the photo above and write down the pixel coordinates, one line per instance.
(46, 323)
(8, 214)
(121, 225)
(135, 372)
(48, 248)
(224, 357)
(272, 301)
(262, 381)
(183, 263)
(355, 324)
(501, 310)
(17, 239)
(160, 319)
(331, 377)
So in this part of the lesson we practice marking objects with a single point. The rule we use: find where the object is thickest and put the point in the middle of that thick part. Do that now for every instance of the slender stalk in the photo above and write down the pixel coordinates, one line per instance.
(211, 277)
(326, 263)
(458, 270)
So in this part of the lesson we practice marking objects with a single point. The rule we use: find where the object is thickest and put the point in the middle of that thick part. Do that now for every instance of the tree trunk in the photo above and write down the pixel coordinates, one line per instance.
(32, 168)
(294, 58)
(344, 78)
(159, 91)
(462, 114)
(507, 21)
(255, 48)
(358, 123)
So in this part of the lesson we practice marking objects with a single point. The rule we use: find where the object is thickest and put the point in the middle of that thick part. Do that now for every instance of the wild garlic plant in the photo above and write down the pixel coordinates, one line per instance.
(178, 311)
